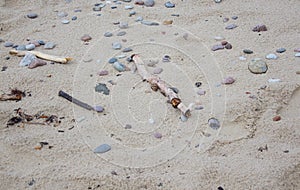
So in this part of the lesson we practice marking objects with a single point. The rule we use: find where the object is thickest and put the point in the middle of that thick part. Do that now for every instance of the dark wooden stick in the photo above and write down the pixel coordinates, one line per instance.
(74, 100)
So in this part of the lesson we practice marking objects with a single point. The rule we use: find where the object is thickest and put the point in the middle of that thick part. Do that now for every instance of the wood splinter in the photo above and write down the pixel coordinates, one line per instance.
(158, 84)
(41, 55)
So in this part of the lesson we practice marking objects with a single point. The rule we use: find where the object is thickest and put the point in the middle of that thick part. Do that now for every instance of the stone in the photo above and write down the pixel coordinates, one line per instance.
(297, 55)
(112, 60)
(131, 13)
(116, 46)
(257, 66)
(273, 80)
(126, 50)
(271, 56)
(139, 2)
(149, 3)
(21, 48)
(74, 18)
(169, 4)
(228, 80)
(49, 45)
(128, 7)
(103, 73)
(214, 123)
(41, 42)
(86, 38)
(128, 126)
(228, 46)
(167, 22)
(217, 47)
(65, 21)
(231, 26)
(280, 50)
(297, 50)
(27, 59)
(201, 92)
(119, 66)
(108, 34)
(199, 107)
(102, 148)
(36, 63)
(174, 89)
(8, 44)
(149, 23)
(123, 25)
(157, 135)
(32, 15)
(122, 33)
(218, 1)
(234, 17)
(102, 88)
(226, 19)
(166, 58)
(157, 70)
(183, 118)
(259, 28)
(247, 51)
(219, 38)
(97, 8)
(30, 47)
(62, 14)
(98, 109)
(198, 84)
(242, 58)
(139, 19)
(277, 118)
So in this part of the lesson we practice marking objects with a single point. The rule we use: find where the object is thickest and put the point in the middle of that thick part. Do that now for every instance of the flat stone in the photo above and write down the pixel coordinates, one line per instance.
(259, 28)
(257, 66)
(98, 109)
(123, 25)
(128, 7)
(169, 4)
(149, 23)
(32, 15)
(157, 70)
(126, 50)
(280, 50)
(217, 47)
(112, 60)
(116, 46)
(65, 21)
(122, 33)
(21, 48)
(27, 59)
(231, 26)
(139, 19)
(247, 51)
(102, 88)
(297, 55)
(62, 14)
(271, 56)
(103, 73)
(30, 47)
(108, 34)
(8, 44)
(149, 3)
(49, 45)
(102, 148)
(86, 38)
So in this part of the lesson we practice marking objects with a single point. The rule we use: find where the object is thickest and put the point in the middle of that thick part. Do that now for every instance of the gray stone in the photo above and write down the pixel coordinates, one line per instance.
(108, 34)
(21, 48)
(74, 18)
(150, 23)
(217, 47)
(122, 33)
(231, 26)
(8, 44)
(32, 15)
(157, 70)
(257, 66)
(126, 50)
(247, 51)
(102, 148)
(123, 25)
(234, 17)
(280, 50)
(119, 66)
(65, 21)
(139, 18)
(102, 88)
(149, 3)
(131, 13)
(30, 47)
(116, 46)
(27, 59)
(271, 56)
(98, 108)
(97, 8)
(214, 123)
(41, 42)
(112, 60)
(62, 14)
(49, 45)
(169, 4)
(128, 7)
(297, 55)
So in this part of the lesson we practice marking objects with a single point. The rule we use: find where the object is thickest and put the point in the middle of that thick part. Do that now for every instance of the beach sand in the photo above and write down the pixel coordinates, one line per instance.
(248, 151)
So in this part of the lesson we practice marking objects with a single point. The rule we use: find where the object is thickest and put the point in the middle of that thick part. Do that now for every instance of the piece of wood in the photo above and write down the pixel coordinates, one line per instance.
(41, 55)
(158, 84)
(74, 100)
(6, 97)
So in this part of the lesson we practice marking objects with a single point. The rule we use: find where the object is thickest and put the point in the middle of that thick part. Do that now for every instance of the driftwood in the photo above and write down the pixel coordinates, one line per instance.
(158, 84)
(74, 100)
(41, 55)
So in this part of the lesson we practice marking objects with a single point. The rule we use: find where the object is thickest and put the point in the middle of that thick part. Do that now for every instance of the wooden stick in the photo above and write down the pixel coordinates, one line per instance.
(74, 100)
(5, 97)
(157, 83)
(41, 55)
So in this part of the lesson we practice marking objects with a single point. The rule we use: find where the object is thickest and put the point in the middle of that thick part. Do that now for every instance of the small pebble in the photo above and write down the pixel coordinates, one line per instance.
(234, 17)
(218, 1)
(174, 90)
(41, 42)
(177, 15)
(116, 46)
(201, 92)
(77, 10)
(30, 47)
(102, 88)
(166, 58)
(149, 3)
(112, 60)
(259, 28)
(114, 7)
(119, 66)
(280, 50)
(122, 33)
(149, 23)
(86, 38)
(214, 123)
(8, 44)
(96, 8)
(167, 22)
(242, 58)
(62, 14)
(224, 43)
(272, 80)
(151, 121)
(157, 70)
(121, 56)
(169, 4)
(271, 56)
(219, 38)
(27, 59)
(131, 13)
(297, 55)
(228, 80)
(139, 2)
(277, 118)
(139, 19)
(199, 107)
(228, 46)
(128, 126)
(231, 26)
(98, 109)
(103, 73)
(126, 50)
(102, 148)
(157, 135)
(297, 50)
(198, 84)
(123, 25)
(183, 118)
(257, 66)
(49, 45)
(21, 47)
(247, 51)
(128, 7)
(65, 21)
(217, 47)
(74, 18)
(108, 34)
(226, 19)
(32, 15)
(36, 63)
(185, 36)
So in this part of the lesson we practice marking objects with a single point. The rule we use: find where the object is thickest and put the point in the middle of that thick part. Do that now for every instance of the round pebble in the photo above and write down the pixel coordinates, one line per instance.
(280, 50)
(131, 13)
(123, 25)
(116, 46)
(201, 92)
(86, 37)
(122, 33)
(228, 46)
(112, 60)
(21, 47)
(74, 18)
(157, 135)
(41, 42)
(32, 15)
(102, 148)
(65, 21)
(214, 123)
(8, 44)
(98, 109)
(108, 34)
(169, 4)
(257, 66)
(228, 80)
(49, 45)
(157, 70)
(198, 84)
(30, 47)
(62, 14)
(231, 26)
(247, 51)
(149, 3)
(271, 56)
(103, 73)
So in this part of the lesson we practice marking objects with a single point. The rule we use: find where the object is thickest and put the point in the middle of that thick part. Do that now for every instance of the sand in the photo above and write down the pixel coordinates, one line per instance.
(248, 151)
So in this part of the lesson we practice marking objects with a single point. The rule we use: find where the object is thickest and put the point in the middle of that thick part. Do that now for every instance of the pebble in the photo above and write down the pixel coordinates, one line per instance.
(157, 70)
(80, 119)
(280, 50)
(272, 80)
(183, 118)
(297, 50)
(126, 50)
(21, 48)
(74, 18)
(112, 60)
(201, 92)
(198, 84)
(167, 22)
(166, 58)
(218, 1)
(102, 88)
(149, 23)
(121, 56)
(259, 28)
(30, 47)
(277, 118)
(297, 55)
(228, 80)
(157, 135)
(169, 4)
(247, 51)
(27, 59)
(77, 10)
(139, 2)
(226, 19)
(131, 13)
(271, 56)
(123, 25)
(231, 26)
(257, 66)
(8, 44)
(234, 17)
(96, 8)
(119, 66)
(32, 15)
(122, 33)
(219, 38)
(102, 148)
(149, 3)
(228, 46)
(36, 63)
(151, 121)
(41, 42)
(185, 36)
(108, 34)
(128, 126)
(242, 58)
(49, 45)
(116, 46)
(139, 19)
(128, 7)
(199, 107)
(103, 73)
(114, 7)
(127, 1)
(177, 15)
(217, 47)
(65, 21)
(174, 89)
(62, 14)
(214, 123)
(98, 108)
(86, 38)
